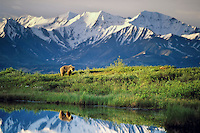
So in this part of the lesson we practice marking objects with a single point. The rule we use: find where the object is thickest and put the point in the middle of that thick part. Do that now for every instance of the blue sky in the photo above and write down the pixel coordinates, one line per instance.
(187, 11)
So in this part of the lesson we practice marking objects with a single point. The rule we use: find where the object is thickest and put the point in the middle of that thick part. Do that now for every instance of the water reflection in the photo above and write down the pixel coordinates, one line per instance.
(65, 117)
(49, 121)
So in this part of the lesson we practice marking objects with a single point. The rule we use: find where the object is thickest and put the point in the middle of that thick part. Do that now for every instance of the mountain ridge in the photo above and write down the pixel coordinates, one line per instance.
(158, 22)
(66, 23)
(68, 37)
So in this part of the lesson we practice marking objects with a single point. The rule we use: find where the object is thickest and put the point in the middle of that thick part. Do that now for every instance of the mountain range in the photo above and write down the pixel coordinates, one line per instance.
(96, 39)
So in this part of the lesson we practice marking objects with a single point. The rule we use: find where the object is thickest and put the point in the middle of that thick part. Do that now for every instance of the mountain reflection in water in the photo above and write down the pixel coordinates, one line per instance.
(49, 121)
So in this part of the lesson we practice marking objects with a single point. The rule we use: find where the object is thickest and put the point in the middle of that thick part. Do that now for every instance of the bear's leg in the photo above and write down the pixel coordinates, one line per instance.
(62, 73)
(69, 72)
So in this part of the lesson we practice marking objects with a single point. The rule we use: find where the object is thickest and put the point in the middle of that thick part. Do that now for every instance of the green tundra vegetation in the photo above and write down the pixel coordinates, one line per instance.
(116, 85)
(152, 87)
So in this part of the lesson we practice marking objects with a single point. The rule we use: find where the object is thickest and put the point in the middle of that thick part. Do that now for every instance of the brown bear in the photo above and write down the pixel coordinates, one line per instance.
(65, 117)
(67, 69)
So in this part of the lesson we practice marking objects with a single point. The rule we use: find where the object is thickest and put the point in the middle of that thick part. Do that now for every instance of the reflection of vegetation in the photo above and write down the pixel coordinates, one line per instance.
(127, 116)
(182, 119)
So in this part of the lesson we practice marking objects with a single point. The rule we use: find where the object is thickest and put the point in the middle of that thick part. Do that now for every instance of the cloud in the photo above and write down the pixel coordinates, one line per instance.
(16, 7)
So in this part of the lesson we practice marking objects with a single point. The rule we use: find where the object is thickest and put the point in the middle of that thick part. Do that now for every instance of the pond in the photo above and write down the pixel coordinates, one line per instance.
(22, 117)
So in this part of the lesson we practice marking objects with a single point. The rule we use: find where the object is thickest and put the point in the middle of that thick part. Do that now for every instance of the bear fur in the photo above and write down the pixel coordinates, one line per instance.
(67, 69)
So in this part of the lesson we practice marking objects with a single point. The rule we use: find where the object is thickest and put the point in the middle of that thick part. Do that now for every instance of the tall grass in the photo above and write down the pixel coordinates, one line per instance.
(115, 85)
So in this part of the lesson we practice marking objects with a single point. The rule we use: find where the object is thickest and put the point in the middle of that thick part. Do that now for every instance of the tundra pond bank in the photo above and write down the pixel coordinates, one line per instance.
(139, 86)
(119, 86)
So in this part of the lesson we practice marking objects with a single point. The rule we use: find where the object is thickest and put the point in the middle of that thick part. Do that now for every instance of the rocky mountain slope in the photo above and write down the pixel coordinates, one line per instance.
(96, 39)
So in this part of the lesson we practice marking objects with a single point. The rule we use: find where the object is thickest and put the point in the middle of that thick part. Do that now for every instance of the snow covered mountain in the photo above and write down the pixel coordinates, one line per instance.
(162, 24)
(95, 39)
(47, 121)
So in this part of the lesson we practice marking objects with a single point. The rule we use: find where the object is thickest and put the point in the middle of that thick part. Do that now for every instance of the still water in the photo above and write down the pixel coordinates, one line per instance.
(31, 118)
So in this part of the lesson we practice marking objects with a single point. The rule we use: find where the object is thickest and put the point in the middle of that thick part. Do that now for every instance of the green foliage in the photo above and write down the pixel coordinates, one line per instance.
(8, 70)
(117, 85)
(118, 63)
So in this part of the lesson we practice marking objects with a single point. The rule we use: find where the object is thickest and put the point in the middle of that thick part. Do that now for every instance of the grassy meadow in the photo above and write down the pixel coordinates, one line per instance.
(152, 87)
(116, 85)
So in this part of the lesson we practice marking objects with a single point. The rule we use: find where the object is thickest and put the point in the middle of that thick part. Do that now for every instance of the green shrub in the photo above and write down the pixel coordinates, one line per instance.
(137, 86)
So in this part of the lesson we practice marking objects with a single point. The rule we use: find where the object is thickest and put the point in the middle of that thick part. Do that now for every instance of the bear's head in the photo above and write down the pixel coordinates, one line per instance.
(71, 68)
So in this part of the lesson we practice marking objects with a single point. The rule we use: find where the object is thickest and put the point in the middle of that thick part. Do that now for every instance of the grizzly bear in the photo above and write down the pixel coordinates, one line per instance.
(65, 117)
(67, 69)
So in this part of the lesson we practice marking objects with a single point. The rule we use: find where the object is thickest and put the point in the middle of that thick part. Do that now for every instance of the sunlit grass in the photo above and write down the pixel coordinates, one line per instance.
(115, 85)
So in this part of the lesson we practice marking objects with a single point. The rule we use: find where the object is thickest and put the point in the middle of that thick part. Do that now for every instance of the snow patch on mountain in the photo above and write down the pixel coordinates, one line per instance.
(192, 36)
(166, 37)
(161, 24)
(49, 24)
(132, 33)
(2, 25)
(12, 28)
